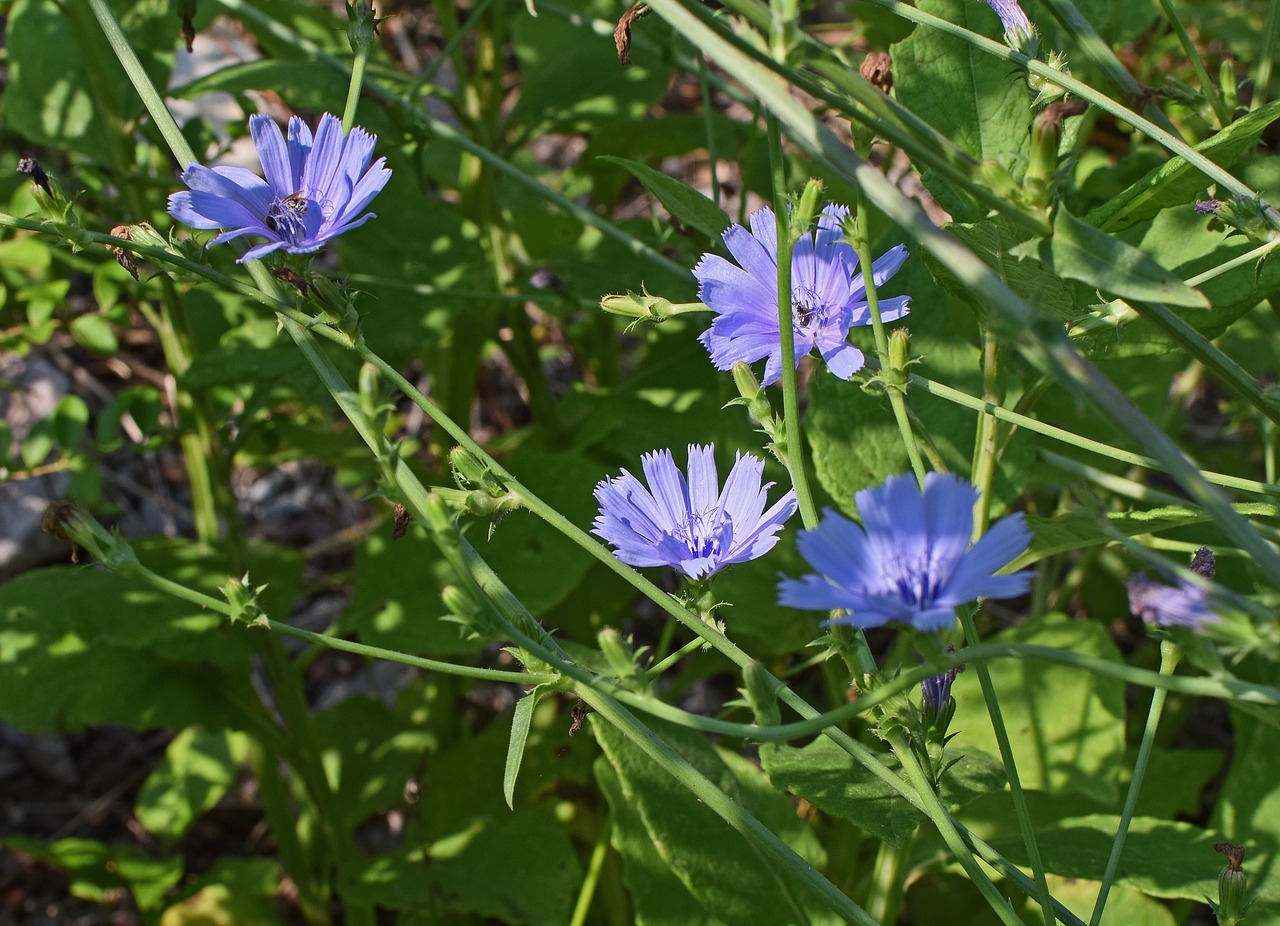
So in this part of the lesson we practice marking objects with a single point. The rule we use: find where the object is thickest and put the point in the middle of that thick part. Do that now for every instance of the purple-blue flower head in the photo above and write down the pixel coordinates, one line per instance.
(935, 691)
(1017, 27)
(316, 188)
(1181, 605)
(693, 525)
(828, 295)
(910, 560)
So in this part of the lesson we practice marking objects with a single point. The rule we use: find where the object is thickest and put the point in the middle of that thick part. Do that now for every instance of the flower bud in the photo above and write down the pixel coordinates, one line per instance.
(618, 652)
(803, 215)
(187, 13)
(759, 692)
(638, 305)
(362, 26)
(243, 599)
(1233, 887)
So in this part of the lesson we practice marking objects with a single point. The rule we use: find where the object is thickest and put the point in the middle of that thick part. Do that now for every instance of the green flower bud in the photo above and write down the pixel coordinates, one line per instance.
(1233, 887)
(759, 692)
(618, 652)
(639, 305)
(243, 599)
(806, 211)
(362, 26)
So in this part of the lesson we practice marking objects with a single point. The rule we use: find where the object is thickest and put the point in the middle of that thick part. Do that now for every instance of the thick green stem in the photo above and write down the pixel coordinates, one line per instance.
(888, 880)
(596, 864)
(1170, 653)
(897, 400)
(786, 330)
(1207, 86)
(985, 446)
(354, 87)
(947, 830)
(1011, 770)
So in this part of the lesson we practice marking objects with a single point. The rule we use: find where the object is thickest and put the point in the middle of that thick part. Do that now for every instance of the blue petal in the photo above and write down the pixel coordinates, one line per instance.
(667, 485)
(704, 483)
(273, 154)
(973, 577)
(843, 360)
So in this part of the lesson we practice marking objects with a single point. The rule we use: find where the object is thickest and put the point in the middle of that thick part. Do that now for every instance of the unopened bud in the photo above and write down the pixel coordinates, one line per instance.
(243, 598)
(362, 26)
(1203, 563)
(638, 305)
(617, 652)
(1233, 887)
(187, 13)
(760, 694)
(807, 209)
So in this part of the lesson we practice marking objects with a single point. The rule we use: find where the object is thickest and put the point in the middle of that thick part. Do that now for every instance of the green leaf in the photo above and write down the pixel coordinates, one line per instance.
(685, 204)
(658, 897)
(829, 778)
(95, 332)
(1079, 251)
(198, 768)
(70, 419)
(1175, 182)
(1066, 726)
(933, 72)
(38, 444)
(97, 870)
(240, 891)
(1076, 530)
(1161, 858)
(520, 720)
(714, 862)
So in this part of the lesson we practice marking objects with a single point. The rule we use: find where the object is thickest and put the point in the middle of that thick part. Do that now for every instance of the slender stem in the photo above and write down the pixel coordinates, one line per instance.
(1011, 770)
(708, 114)
(691, 647)
(354, 87)
(589, 881)
(1270, 38)
(947, 830)
(888, 879)
(1170, 653)
(985, 445)
(897, 400)
(1207, 86)
(786, 330)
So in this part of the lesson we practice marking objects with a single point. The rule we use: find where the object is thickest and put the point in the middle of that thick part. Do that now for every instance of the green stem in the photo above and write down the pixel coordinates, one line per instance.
(708, 112)
(691, 647)
(1011, 770)
(946, 828)
(354, 87)
(1270, 38)
(897, 401)
(1169, 656)
(594, 866)
(786, 330)
(1207, 86)
(985, 444)
(888, 879)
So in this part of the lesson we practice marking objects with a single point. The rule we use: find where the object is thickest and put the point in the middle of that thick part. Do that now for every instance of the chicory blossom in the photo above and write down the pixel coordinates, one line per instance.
(935, 691)
(1017, 27)
(316, 188)
(828, 295)
(1181, 605)
(691, 525)
(910, 560)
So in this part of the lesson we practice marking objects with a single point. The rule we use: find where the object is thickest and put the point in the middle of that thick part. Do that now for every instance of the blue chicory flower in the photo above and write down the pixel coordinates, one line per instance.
(910, 560)
(1181, 605)
(687, 524)
(828, 295)
(1017, 27)
(935, 691)
(316, 188)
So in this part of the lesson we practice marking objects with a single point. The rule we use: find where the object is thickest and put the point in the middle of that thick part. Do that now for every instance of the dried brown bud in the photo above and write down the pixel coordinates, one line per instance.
(876, 70)
(291, 277)
(123, 257)
(401, 522)
(1053, 115)
(622, 34)
(32, 166)
(1234, 854)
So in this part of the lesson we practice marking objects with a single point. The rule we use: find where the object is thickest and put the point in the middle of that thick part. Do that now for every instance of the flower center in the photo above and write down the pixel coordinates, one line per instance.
(809, 311)
(701, 533)
(285, 217)
(912, 577)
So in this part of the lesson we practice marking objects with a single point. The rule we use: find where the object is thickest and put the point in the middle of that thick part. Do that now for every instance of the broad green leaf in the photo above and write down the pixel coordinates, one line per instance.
(70, 419)
(97, 870)
(198, 768)
(1176, 183)
(521, 717)
(1125, 906)
(685, 204)
(38, 444)
(63, 77)
(829, 778)
(233, 892)
(1078, 251)
(1115, 22)
(1076, 530)
(714, 862)
(977, 101)
(1161, 857)
(1066, 726)
(95, 332)
(658, 897)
